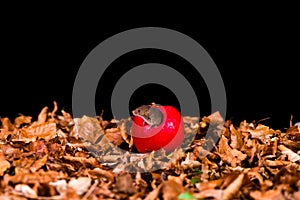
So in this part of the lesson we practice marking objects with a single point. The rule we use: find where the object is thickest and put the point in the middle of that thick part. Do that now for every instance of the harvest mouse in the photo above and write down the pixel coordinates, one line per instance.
(150, 114)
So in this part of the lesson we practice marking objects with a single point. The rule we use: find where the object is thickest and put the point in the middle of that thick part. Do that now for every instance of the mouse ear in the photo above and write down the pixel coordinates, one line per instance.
(153, 104)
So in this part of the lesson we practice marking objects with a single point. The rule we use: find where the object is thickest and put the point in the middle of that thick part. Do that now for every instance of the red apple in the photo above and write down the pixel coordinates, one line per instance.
(168, 135)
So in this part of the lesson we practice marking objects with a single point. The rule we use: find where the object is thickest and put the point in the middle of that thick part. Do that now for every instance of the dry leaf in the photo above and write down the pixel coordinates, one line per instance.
(292, 156)
(80, 185)
(26, 191)
(262, 132)
(70, 194)
(229, 155)
(153, 195)
(60, 185)
(172, 189)
(38, 163)
(58, 157)
(114, 135)
(42, 118)
(45, 131)
(55, 108)
(6, 124)
(267, 195)
(293, 133)
(190, 161)
(233, 188)
(4, 165)
(66, 121)
(236, 138)
(82, 160)
(124, 183)
(102, 173)
(88, 128)
(209, 185)
(22, 119)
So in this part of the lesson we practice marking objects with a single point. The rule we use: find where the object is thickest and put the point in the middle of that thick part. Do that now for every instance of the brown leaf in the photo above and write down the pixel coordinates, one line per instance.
(211, 193)
(124, 183)
(291, 143)
(216, 119)
(200, 152)
(82, 160)
(114, 135)
(268, 195)
(24, 163)
(104, 192)
(297, 195)
(254, 174)
(45, 131)
(55, 108)
(191, 125)
(87, 128)
(233, 188)
(190, 161)
(236, 138)
(212, 125)
(124, 129)
(140, 182)
(250, 147)
(276, 163)
(153, 195)
(209, 185)
(25, 176)
(66, 121)
(104, 123)
(10, 151)
(292, 156)
(38, 147)
(206, 168)
(228, 155)
(293, 133)
(175, 159)
(42, 118)
(38, 163)
(4, 165)
(59, 157)
(102, 173)
(171, 189)
(270, 148)
(70, 194)
(22, 119)
(6, 124)
(263, 133)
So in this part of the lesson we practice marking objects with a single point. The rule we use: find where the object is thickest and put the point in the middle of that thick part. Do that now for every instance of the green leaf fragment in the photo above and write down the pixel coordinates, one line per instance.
(195, 180)
(185, 196)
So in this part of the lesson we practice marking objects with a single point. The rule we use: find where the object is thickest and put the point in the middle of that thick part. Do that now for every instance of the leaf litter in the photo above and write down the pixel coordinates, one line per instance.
(60, 157)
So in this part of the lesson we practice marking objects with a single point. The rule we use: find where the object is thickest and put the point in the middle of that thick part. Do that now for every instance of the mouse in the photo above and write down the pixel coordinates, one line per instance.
(150, 114)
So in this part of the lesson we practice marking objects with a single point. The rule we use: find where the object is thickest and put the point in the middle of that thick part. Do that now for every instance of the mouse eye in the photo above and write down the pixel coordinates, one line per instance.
(138, 110)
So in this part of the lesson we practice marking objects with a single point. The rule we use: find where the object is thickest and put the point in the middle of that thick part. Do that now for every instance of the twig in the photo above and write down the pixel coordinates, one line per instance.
(90, 191)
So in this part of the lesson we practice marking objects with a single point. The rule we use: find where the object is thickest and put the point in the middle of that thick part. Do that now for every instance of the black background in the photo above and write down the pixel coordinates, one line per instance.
(257, 58)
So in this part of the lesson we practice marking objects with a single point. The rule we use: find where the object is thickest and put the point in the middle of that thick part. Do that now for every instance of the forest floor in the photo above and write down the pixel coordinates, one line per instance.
(60, 157)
